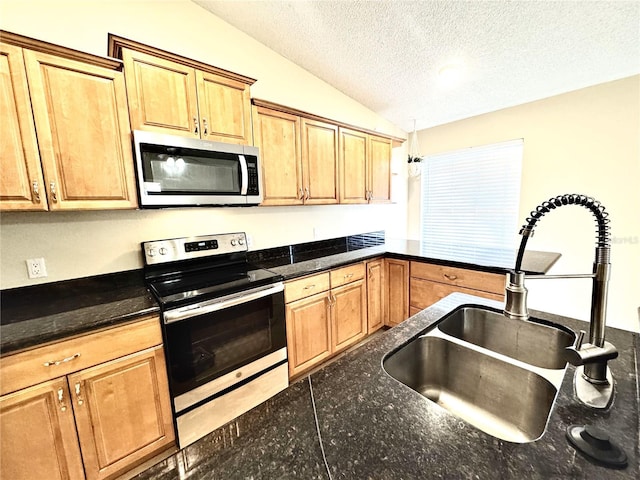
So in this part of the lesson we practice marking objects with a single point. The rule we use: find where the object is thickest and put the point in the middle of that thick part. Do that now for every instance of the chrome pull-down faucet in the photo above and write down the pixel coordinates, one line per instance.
(593, 379)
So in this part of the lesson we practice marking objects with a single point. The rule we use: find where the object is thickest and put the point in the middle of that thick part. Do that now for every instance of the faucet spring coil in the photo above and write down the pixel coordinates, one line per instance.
(603, 232)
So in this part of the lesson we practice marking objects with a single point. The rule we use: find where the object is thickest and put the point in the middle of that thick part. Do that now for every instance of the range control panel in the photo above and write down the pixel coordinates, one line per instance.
(175, 249)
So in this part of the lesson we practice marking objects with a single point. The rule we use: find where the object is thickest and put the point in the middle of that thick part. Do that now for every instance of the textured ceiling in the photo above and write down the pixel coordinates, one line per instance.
(386, 54)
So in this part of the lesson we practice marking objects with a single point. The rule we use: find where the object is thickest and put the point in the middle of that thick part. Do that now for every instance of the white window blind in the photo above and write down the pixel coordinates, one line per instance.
(470, 201)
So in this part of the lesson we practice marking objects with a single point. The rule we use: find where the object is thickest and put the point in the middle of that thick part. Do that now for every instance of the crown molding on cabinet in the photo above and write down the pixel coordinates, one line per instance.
(59, 51)
(397, 141)
(117, 43)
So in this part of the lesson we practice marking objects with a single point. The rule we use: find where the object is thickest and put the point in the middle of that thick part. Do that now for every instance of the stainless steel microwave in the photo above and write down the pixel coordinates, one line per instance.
(176, 171)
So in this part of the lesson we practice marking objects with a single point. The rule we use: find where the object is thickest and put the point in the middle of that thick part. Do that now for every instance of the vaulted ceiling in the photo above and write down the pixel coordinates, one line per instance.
(388, 54)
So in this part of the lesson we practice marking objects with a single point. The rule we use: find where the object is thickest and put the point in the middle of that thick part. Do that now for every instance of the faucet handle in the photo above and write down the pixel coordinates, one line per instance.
(578, 343)
(582, 354)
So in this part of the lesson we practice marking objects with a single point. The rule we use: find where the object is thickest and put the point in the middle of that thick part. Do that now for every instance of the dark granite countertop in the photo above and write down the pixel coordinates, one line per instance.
(31, 316)
(484, 260)
(369, 426)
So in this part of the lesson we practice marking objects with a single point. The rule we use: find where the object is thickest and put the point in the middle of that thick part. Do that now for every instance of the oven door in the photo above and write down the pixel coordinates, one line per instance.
(229, 339)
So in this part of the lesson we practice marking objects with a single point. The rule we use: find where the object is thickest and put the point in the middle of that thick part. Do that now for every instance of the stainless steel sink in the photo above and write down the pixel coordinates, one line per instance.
(501, 377)
(530, 342)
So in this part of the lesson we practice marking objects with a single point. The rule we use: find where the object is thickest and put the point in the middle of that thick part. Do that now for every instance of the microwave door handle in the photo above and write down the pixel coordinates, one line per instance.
(245, 175)
(183, 313)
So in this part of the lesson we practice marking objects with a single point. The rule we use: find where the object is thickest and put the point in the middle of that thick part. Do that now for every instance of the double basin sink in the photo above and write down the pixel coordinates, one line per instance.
(498, 374)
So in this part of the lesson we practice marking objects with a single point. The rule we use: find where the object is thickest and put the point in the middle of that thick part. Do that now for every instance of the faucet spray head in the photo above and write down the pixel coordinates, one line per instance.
(516, 296)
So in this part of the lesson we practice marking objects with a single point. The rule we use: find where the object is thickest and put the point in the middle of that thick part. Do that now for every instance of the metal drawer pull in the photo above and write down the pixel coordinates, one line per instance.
(64, 360)
(309, 287)
(450, 277)
(63, 407)
(307, 194)
(36, 192)
(349, 275)
(78, 396)
(301, 193)
(195, 125)
(205, 126)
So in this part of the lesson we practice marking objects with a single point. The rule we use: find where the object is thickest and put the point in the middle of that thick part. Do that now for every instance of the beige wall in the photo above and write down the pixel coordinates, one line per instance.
(77, 244)
(586, 141)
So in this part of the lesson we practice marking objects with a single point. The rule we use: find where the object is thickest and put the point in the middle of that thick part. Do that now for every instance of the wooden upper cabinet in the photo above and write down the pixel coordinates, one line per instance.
(176, 95)
(162, 94)
(365, 167)
(320, 162)
(277, 135)
(354, 155)
(379, 175)
(308, 159)
(38, 434)
(82, 123)
(225, 109)
(21, 182)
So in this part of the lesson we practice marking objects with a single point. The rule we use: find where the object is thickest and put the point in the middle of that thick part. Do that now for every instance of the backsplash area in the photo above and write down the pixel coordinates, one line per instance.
(84, 244)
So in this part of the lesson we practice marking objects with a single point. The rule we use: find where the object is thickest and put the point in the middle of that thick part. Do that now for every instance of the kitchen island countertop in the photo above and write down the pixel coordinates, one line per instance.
(369, 426)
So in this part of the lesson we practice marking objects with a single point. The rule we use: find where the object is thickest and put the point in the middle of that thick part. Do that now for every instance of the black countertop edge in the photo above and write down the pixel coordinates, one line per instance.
(371, 426)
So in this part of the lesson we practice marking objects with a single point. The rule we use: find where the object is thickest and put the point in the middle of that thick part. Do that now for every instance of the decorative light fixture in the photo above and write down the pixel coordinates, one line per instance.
(414, 158)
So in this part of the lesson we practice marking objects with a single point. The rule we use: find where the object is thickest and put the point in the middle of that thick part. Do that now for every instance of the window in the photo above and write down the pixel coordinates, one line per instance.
(470, 201)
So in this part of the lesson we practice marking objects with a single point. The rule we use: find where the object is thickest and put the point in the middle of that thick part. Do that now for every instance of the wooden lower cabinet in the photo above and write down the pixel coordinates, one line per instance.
(348, 314)
(92, 422)
(308, 332)
(397, 291)
(430, 283)
(122, 411)
(325, 314)
(375, 295)
(38, 434)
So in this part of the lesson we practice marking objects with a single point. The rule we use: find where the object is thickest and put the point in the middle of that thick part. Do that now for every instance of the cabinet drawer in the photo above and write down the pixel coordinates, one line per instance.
(348, 274)
(62, 358)
(488, 282)
(424, 293)
(297, 289)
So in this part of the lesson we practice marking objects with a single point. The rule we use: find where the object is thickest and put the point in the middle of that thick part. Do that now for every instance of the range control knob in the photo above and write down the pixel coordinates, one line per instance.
(241, 241)
(151, 252)
(233, 242)
(163, 251)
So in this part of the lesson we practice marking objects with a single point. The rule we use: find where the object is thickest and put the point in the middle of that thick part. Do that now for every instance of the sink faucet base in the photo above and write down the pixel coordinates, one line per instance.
(594, 395)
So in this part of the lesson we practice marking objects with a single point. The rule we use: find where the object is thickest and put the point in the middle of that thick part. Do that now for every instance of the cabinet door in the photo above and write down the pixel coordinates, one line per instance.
(354, 151)
(397, 291)
(375, 295)
(320, 162)
(21, 182)
(225, 109)
(380, 170)
(122, 412)
(162, 95)
(278, 138)
(81, 119)
(349, 314)
(308, 332)
(38, 434)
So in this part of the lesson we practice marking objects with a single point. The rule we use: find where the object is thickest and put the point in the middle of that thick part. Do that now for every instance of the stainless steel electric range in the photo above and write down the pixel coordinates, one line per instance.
(223, 326)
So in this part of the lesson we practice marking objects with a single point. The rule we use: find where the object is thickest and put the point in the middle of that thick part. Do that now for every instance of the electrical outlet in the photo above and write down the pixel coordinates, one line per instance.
(36, 268)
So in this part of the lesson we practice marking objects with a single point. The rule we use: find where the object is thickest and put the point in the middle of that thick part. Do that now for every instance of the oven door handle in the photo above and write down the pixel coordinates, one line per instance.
(202, 308)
